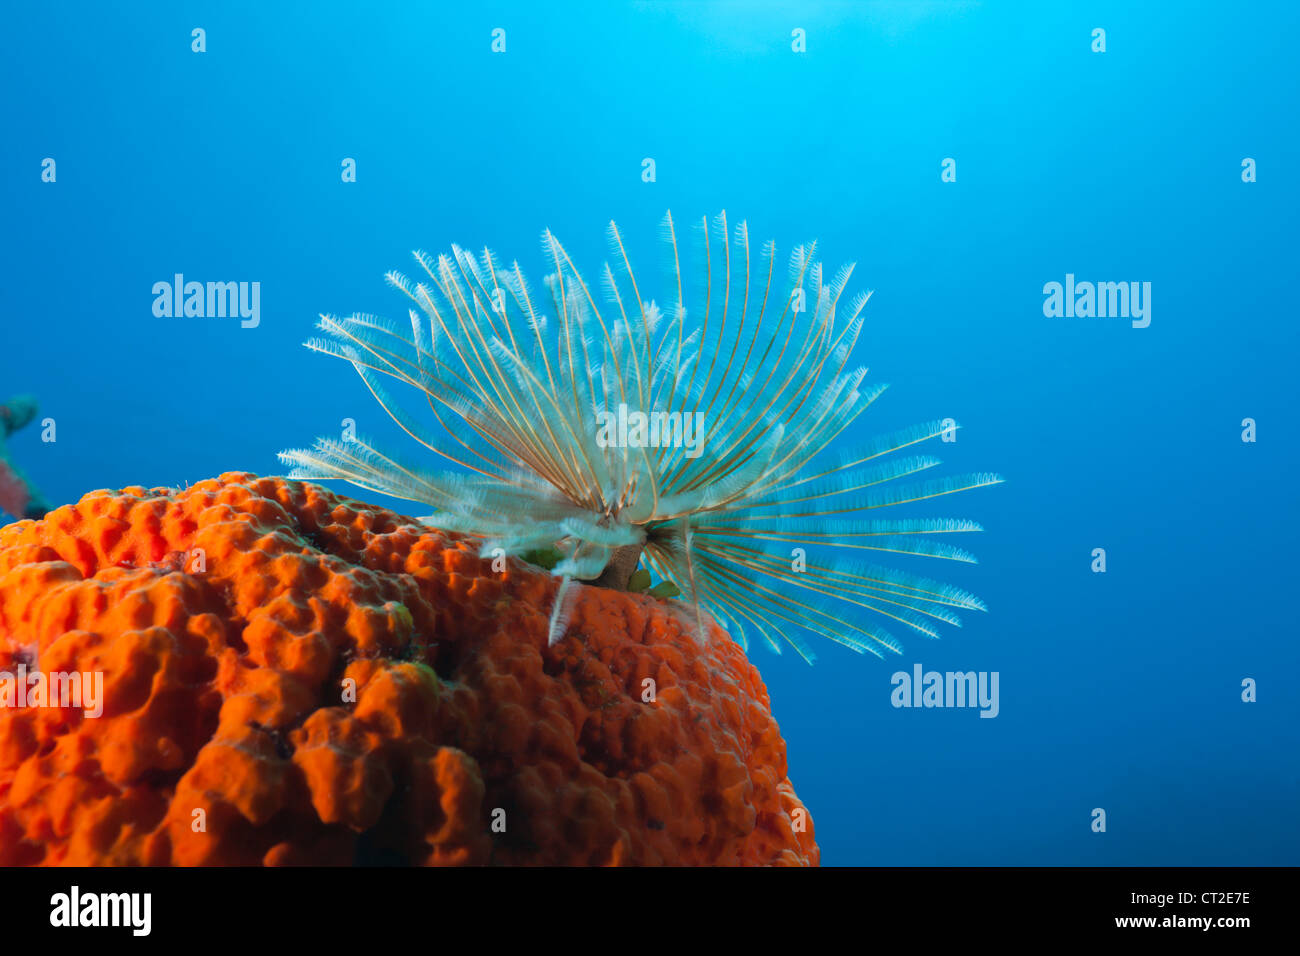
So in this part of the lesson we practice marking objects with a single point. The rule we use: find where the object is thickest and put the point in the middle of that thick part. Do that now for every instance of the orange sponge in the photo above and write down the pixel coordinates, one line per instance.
(293, 677)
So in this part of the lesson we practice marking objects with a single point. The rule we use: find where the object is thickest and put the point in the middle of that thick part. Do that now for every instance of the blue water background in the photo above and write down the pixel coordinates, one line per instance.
(1118, 690)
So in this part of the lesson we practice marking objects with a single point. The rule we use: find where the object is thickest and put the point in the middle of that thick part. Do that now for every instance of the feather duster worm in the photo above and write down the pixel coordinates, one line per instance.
(598, 430)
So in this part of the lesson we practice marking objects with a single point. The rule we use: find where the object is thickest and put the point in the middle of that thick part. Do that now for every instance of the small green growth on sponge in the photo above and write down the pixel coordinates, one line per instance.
(546, 558)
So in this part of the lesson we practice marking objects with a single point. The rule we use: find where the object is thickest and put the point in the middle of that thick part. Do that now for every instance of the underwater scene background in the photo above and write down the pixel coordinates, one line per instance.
(965, 155)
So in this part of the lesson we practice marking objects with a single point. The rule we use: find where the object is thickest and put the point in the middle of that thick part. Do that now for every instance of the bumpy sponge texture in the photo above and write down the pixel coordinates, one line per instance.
(293, 677)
